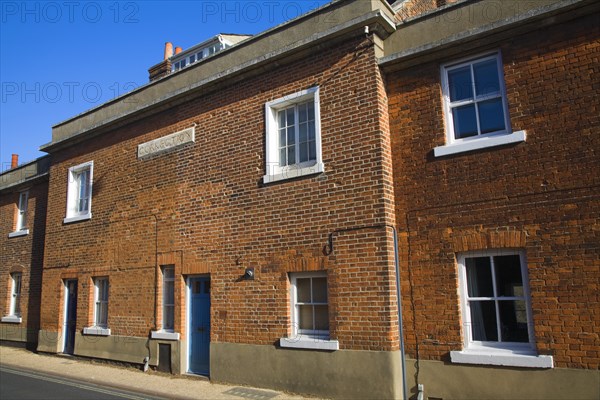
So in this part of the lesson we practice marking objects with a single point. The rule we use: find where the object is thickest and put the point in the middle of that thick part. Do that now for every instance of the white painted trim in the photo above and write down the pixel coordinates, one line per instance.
(306, 342)
(96, 330)
(71, 215)
(292, 173)
(273, 172)
(503, 358)
(64, 324)
(82, 217)
(478, 143)
(22, 232)
(13, 319)
(164, 335)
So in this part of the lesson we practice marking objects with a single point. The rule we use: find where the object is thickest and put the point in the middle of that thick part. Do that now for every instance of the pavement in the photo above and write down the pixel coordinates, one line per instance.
(152, 383)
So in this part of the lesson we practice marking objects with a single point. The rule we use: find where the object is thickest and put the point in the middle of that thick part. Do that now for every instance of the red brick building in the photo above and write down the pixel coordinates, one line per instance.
(251, 224)
(23, 196)
(495, 149)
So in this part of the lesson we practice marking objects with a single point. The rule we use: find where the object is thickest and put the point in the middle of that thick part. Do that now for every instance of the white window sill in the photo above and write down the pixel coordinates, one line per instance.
(76, 218)
(505, 358)
(97, 331)
(13, 319)
(22, 232)
(305, 342)
(164, 335)
(292, 173)
(480, 143)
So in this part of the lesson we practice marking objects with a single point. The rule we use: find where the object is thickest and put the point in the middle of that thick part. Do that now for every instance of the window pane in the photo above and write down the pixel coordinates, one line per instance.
(302, 113)
(303, 290)
(291, 155)
(290, 116)
(207, 287)
(483, 320)
(291, 135)
(509, 281)
(192, 58)
(169, 293)
(303, 152)
(513, 320)
(83, 205)
(197, 289)
(491, 115)
(17, 278)
(283, 157)
(319, 290)
(104, 291)
(479, 277)
(465, 121)
(168, 317)
(303, 132)
(461, 87)
(168, 273)
(281, 117)
(311, 130)
(305, 316)
(321, 318)
(486, 77)
(311, 110)
(312, 150)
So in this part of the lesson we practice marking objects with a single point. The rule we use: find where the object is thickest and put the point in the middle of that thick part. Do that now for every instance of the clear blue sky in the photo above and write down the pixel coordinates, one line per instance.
(60, 58)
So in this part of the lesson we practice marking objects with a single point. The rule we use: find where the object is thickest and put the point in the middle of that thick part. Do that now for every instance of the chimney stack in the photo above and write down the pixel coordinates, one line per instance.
(14, 162)
(163, 68)
(178, 50)
(168, 50)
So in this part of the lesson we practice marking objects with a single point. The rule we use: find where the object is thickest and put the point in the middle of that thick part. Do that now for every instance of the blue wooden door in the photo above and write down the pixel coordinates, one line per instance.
(199, 357)
(71, 316)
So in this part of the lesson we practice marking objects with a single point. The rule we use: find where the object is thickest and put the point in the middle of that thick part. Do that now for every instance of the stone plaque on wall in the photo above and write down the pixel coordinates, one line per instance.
(166, 143)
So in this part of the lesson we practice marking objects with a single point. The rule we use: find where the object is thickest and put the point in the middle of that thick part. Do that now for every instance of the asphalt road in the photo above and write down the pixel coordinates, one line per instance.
(22, 384)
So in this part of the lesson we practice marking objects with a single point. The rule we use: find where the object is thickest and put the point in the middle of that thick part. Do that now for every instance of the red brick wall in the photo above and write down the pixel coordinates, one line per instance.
(203, 209)
(540, 195)
(23, 254)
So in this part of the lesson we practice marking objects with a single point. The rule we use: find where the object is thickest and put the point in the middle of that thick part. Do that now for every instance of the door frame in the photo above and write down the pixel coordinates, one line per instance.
(188, 317)
(67, 293)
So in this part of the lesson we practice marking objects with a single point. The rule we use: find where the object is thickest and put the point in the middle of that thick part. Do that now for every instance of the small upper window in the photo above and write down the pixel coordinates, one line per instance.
(22, 211)
(475, 105)
(293, 132)
(79, 196)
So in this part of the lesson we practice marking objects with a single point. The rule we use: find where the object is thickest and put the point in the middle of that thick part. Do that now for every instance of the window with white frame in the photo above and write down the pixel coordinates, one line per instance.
(15, 297)
(101, 302)
(293, 136)
(310, 309)
(14, 308)
(22, 211)
(496, 311)
(79, 192)
(309, 303)
(475, 105)
(168, 306)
